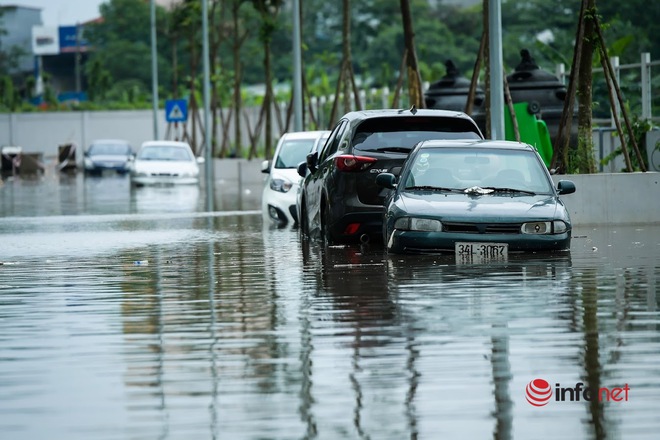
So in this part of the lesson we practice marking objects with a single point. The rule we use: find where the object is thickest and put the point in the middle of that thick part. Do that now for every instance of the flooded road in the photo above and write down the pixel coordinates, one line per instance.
(130, 314)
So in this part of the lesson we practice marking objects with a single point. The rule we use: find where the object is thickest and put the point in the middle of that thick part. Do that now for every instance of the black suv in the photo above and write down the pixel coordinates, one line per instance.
(339, 198)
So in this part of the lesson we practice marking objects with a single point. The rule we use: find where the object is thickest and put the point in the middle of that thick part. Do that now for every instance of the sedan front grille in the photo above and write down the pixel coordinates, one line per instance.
(503, 228)
(461, 227)
(482, 228)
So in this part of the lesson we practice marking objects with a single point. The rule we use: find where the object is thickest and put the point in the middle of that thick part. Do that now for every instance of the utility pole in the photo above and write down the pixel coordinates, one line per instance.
(496, 70)
(154, 68)
(297, 69)
(207, 105)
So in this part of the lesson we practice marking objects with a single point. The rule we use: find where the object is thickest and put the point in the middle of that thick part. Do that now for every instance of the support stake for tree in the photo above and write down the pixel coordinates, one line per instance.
(608, 68)
(475, 75)
(512, 110)
(617, 122)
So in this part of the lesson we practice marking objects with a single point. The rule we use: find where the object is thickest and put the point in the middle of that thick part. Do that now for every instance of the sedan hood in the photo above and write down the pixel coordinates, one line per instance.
(165, 167)
(461, 207)
(289, 174)
(108, 158)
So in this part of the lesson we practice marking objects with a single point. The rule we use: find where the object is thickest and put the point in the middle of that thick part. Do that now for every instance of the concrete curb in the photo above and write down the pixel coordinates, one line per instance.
(616, 198)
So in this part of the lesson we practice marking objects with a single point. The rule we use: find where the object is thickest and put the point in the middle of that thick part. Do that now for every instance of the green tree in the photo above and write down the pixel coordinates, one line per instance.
(8, 56)
(99, 80)
(122, 42)
(268, 12)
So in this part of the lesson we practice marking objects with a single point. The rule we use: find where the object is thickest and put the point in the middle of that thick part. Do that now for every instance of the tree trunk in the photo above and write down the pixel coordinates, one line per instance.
(193, 100)
(236, 49)
(584, 162)
(216, 39)
(346, 79)
(560, 150)
(415, 92)
(268, 100)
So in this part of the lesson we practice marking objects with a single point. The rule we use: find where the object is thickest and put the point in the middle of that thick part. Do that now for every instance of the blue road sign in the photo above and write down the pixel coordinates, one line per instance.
(176, 110)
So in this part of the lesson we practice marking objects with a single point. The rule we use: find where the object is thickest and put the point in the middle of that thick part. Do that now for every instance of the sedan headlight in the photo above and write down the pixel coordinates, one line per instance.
(418, 224)
(540, 228)
(280, 185)
(559, 227)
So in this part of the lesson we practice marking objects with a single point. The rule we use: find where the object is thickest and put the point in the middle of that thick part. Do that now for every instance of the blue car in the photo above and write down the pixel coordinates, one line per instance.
(113, 155)
(479, 199)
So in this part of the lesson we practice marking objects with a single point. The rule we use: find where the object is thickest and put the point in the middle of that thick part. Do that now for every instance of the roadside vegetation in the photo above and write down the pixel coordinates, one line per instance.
(251, 40)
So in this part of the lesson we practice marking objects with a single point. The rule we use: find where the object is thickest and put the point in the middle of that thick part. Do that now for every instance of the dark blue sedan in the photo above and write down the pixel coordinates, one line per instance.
(482, 199)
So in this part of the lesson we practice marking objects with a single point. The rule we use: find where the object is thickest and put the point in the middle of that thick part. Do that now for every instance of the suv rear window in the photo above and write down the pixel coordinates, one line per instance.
(403, 133)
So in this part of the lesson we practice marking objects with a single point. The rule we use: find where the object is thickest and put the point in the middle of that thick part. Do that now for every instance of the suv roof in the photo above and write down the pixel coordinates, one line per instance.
(366, 114)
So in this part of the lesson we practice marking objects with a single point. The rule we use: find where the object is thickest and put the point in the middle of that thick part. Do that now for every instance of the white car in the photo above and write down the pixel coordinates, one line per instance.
(278, 201)
(165, 163)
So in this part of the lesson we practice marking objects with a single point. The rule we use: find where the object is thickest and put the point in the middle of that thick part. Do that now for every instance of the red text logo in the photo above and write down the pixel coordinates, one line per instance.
(539, 392)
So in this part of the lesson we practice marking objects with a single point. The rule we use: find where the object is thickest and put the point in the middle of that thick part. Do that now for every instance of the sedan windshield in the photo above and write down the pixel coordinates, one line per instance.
(502, 171)
(292, 152)
(110, 149)
(165, 152)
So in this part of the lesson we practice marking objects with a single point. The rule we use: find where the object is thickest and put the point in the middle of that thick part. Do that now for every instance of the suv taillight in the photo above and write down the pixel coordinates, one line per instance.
(348, 162)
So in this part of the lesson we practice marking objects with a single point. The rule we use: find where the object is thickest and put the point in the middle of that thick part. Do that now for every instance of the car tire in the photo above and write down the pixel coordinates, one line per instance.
(302, 221)
(326, 235)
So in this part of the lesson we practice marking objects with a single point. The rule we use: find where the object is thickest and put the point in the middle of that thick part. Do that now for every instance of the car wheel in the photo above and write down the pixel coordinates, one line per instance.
(303, 222)
(326, 235)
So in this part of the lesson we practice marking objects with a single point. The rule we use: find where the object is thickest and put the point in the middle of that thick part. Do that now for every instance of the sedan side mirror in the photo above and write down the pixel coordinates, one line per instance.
(200, 159)
(302, 169)
(312, 159)
(265, 166)
(565, 187)
(386, 180)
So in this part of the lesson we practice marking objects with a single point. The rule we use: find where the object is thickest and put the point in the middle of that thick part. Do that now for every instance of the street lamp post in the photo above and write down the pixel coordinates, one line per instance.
(154, 68)
(207, 105)
(297, 69)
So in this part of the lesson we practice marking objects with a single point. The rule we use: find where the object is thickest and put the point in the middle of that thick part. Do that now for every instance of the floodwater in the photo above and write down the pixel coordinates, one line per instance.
(136, 314)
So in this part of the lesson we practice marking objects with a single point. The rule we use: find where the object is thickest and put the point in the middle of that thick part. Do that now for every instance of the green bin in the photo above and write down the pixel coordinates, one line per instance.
(533, 131)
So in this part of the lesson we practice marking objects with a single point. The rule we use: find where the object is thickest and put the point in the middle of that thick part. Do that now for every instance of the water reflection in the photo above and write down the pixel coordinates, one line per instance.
(165, 321)
(165, 199)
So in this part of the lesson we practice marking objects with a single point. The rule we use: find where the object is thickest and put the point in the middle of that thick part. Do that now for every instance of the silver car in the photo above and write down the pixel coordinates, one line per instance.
(278, 200)
(165, 163)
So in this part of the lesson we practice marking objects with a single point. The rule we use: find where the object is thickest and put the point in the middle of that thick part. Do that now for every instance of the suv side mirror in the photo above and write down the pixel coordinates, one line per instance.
(386, 180)
(302, 169)
(312, 159)
(265, 166)
(565, 187)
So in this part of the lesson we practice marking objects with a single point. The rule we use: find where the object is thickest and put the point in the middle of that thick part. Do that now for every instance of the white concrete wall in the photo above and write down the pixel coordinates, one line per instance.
(43, 132)
(617, 198)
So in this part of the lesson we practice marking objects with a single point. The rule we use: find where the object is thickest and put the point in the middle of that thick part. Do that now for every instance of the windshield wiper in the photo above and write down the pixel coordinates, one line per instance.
(432, 188)
(510, 190)
(393, 149)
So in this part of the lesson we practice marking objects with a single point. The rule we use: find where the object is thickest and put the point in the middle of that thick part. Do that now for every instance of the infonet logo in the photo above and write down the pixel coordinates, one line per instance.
(539, 392)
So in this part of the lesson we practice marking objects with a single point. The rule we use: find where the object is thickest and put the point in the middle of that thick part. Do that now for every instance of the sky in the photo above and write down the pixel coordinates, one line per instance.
(61, 12)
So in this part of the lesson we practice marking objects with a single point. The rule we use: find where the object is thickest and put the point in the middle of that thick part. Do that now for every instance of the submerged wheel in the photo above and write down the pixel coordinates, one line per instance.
(303, 223)
(326, 235)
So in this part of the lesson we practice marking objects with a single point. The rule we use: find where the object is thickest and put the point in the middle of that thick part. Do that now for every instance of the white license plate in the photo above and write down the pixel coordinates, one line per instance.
(475, 252)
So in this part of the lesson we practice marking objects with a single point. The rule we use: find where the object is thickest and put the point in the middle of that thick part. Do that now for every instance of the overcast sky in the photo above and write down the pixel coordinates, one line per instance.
(61, 12)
